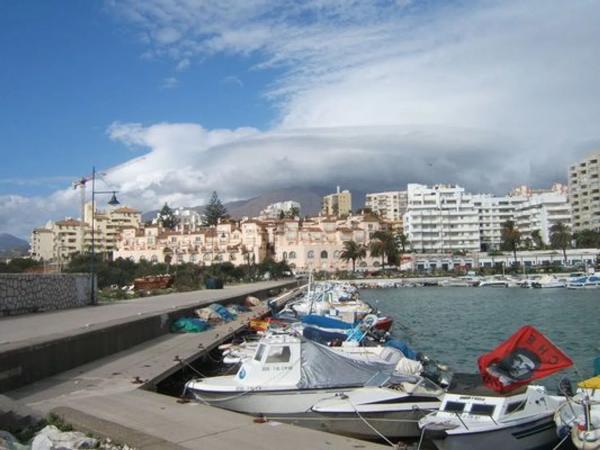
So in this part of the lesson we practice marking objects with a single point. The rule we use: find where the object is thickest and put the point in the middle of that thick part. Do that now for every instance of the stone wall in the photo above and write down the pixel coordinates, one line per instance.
(24, 293)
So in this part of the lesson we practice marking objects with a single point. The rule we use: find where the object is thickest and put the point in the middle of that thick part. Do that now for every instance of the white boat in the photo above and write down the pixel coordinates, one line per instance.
(288, 375)
(391, 409)
(548, 281)
(585, 282)
(579, 417)
(494, 282)
(479, 419)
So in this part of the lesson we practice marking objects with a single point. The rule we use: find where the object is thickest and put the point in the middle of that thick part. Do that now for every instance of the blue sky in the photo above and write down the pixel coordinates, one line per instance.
(70, 69)
(176, 98)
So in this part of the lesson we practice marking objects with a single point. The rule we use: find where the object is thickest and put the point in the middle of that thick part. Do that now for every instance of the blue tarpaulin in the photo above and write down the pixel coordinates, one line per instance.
(222, 311)
(321, 336)
(325, 322)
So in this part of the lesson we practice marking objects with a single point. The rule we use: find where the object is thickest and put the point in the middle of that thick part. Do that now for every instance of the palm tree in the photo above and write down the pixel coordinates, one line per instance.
(353, 251)
(384, 245)
(511, 237)
(560, 238)
(377, 249)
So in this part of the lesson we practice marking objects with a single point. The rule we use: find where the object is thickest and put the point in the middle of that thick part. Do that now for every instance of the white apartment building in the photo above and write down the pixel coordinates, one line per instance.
(389, 206)
(584, 193)
(442, 218)
(493, 213)
(540, 212)
(189, 219)
(274, 211)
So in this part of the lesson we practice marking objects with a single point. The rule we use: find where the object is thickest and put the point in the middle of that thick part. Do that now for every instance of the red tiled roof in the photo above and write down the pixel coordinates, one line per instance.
(126, 210)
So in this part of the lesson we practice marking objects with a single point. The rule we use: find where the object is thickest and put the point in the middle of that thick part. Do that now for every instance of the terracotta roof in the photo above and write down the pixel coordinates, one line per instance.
(125, 210)
(345, 229)
(68, 223)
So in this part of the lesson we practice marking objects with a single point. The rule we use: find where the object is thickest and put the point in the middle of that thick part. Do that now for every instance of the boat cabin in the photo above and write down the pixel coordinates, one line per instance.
(276, 362)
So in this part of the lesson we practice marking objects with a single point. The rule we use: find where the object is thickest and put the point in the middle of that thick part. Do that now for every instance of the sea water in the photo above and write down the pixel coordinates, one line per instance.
(456, 325)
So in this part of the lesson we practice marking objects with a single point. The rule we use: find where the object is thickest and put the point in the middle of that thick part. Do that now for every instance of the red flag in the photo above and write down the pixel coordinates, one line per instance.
(526, 356)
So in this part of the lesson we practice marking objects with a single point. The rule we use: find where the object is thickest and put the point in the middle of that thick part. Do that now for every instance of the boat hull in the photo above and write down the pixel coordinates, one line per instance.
(266, 403)
(536, 435)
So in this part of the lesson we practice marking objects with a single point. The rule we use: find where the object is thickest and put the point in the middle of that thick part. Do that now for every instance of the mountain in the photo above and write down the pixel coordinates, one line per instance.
(309, 199)
(12, 247)
(10, 242)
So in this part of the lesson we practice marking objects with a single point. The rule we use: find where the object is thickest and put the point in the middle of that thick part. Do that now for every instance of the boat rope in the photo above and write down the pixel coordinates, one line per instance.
(421, 437)
(568, 435)
(369, 425)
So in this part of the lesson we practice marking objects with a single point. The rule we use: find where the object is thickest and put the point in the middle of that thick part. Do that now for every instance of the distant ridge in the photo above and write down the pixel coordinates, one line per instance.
(309, 199)
(12, 246)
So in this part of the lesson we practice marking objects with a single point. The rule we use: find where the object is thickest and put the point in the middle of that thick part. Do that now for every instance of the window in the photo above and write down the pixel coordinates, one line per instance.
(482, 410)
(515, 406)
(259, 352)
(456, 407)
(311, 254)
(292, 255)
(285, 255)
(278, 355)
(324, 255)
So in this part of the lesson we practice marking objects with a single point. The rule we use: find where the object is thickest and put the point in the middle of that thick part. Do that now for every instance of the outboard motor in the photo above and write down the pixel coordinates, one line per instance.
(566, 387)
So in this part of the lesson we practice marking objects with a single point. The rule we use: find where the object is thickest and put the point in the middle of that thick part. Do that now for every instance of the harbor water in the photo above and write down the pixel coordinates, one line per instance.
(456, 325)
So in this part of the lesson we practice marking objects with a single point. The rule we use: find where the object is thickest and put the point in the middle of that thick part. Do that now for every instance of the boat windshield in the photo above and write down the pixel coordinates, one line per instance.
(259, 353)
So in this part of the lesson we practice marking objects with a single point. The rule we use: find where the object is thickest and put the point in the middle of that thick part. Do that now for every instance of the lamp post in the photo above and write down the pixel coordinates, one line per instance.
(113, 202)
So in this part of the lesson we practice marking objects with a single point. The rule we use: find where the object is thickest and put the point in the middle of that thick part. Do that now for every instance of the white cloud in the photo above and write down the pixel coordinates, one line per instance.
(488, 93)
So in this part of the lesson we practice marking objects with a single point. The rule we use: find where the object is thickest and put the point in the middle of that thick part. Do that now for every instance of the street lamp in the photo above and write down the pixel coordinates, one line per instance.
(113, 202)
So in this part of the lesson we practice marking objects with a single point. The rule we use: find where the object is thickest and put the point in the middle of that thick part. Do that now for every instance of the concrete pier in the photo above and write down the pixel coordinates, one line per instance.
(35, 346)
(105, 397)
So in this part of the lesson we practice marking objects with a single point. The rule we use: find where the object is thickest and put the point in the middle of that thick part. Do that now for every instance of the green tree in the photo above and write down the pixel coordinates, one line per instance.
(294, 211)
(384, 245)
(538, 242)
(353, 251)
(214, 210)
(167, 217)
(511, 237)
(560, 238)
(587, 239)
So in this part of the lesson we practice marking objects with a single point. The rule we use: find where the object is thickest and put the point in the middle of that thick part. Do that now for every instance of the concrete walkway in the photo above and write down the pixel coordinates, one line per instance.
(31, 328)
(102, 398)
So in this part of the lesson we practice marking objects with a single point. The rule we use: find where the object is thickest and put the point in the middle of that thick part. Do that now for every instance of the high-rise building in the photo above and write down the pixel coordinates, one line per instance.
(540, 212)
(493, 213)
(338, 204)
(584, 193)
(441, 218)
(389, 206)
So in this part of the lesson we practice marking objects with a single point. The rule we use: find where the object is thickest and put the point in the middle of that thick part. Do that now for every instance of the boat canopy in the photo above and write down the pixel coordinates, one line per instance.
(323, 368)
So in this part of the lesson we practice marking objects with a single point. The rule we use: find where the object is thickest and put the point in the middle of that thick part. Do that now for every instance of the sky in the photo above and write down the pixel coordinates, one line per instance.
(172, 99)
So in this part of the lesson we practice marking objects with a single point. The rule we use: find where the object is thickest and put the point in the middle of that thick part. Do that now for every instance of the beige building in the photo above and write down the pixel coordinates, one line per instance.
(584, 193)
(389, 206)
(338, 204)
(235, 242)
(59, 241)
(317, 243)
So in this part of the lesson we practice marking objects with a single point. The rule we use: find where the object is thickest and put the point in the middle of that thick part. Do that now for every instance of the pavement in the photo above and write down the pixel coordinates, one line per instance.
(104, 398)
(32, 328)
